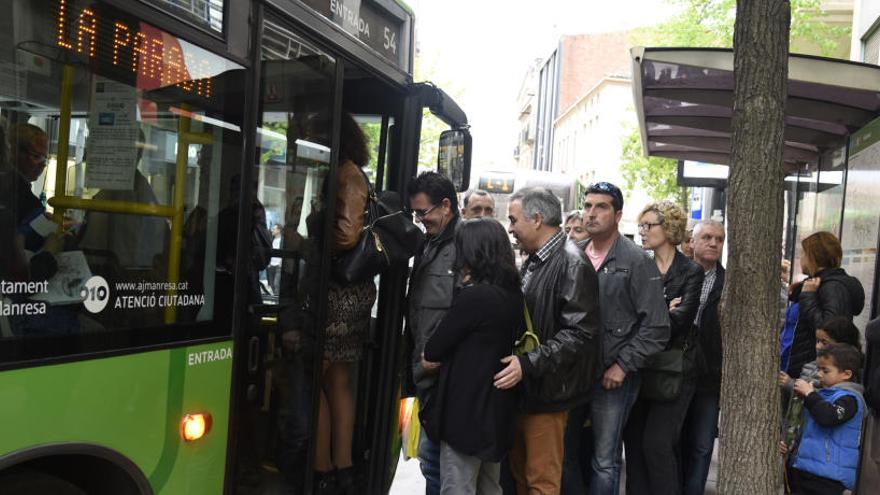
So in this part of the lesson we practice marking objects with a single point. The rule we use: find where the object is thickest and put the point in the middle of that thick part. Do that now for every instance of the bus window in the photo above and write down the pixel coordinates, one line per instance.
(120, 150)
(204, 13)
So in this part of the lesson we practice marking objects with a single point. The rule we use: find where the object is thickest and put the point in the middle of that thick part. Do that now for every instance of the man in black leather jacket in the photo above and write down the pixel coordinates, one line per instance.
(635, 325)
(432, 198)
(561, 291)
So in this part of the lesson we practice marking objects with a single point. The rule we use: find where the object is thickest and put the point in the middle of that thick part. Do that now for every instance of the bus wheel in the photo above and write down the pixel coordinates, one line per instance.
(30, 482)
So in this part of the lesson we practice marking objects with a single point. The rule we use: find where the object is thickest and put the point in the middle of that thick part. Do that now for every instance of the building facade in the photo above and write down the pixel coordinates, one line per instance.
(571, 70)
(524, 152)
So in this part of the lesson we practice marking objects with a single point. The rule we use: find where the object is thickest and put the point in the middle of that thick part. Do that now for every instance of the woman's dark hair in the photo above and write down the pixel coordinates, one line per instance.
(483, 248)
(353, 142)
(844, 357)
(842, 331)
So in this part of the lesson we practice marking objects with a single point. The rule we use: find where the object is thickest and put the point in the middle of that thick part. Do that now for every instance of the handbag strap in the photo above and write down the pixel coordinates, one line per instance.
(372, 211)
(528, 317)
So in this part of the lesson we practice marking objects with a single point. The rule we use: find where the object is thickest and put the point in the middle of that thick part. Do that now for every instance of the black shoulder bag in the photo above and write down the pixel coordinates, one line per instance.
(665, 371)
(389, 238)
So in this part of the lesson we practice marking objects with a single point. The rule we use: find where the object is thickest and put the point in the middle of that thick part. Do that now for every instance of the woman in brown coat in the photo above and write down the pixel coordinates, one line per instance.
(348, 320)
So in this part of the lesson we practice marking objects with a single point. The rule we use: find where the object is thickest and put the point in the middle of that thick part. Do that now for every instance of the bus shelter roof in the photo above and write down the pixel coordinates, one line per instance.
(684, 101)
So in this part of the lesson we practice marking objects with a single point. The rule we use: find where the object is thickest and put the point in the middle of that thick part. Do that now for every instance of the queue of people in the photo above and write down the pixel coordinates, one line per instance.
(610, 317)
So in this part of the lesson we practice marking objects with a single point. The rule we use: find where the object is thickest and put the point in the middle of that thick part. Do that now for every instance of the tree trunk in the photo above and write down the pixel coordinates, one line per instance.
(750, 412)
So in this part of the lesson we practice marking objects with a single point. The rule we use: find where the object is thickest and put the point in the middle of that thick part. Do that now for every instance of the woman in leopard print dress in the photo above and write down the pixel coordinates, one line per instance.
(348, 321)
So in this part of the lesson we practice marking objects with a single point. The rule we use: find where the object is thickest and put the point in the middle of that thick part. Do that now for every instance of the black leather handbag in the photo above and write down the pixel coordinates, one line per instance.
(389, 238)
(663, 374)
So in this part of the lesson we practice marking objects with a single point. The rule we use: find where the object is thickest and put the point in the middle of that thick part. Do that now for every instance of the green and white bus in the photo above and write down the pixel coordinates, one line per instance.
(148, 148)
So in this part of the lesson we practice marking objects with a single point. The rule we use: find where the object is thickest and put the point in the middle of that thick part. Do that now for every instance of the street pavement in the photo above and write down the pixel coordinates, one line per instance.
(409, 480)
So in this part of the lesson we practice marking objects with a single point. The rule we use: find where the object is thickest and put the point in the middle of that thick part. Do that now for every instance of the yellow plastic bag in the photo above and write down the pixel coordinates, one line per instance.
(410, 428)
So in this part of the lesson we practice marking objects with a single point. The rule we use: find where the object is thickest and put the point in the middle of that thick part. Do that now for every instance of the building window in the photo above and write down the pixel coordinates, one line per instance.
(871, 47)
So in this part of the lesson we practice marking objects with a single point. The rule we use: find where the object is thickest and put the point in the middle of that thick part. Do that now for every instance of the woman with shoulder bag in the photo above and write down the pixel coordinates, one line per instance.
(348, 321)
(473, 419)
(655, 422)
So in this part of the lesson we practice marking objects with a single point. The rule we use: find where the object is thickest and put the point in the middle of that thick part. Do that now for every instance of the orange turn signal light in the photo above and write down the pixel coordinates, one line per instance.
(195, 426)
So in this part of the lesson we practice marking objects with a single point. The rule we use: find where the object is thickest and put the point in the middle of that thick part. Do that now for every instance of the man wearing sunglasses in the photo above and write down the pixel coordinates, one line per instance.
(635, 325)
(434, 204)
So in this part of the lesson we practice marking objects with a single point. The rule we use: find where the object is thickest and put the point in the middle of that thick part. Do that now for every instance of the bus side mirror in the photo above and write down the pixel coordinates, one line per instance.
(454, 157)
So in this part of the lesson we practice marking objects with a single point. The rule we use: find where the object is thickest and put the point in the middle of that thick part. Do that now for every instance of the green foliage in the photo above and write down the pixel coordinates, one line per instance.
(373, 131)
(709, 23)
(656, 175)
(425, 70)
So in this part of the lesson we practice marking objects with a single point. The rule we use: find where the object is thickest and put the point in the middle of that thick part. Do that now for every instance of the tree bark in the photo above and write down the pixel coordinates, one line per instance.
(750, 409)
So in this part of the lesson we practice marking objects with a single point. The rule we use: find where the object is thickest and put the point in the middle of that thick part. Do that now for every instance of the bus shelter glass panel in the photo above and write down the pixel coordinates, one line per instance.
(121, 144)
(829, 200)
(861, 218)
(806, 214)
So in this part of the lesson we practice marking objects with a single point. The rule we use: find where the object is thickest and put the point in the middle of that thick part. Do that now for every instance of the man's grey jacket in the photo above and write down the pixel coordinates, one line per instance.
(431, 287)
(635, 318)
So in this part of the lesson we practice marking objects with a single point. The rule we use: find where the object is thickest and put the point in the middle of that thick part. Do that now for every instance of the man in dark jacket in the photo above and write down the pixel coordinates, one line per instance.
(432, 198)
(561, 291)
(635, 325)
(701, 425)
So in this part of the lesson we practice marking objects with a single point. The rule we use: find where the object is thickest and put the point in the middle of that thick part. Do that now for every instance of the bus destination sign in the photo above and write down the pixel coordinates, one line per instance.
(365, 21)
(497, 183)
(140, 51)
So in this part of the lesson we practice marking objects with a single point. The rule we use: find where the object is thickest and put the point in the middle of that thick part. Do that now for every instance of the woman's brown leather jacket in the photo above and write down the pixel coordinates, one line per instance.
(351, 206)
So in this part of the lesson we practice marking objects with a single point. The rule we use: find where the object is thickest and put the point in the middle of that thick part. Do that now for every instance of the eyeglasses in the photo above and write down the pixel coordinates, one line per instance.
(609, 189)
(423, 213)
(644, 227)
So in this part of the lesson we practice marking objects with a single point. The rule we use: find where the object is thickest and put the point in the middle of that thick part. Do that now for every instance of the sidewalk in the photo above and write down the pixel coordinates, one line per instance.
(409, 480)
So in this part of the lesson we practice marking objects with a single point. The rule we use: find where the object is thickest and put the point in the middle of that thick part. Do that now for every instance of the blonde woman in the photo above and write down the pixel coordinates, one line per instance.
(653, 428)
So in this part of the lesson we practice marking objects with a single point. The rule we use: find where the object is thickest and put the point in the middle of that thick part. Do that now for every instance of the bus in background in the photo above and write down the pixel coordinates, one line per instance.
(501, 185)
(148, 147)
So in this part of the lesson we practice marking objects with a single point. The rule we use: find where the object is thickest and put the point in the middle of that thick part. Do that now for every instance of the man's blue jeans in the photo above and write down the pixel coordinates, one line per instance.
(429, 462)
(610, 410)
(698, 441)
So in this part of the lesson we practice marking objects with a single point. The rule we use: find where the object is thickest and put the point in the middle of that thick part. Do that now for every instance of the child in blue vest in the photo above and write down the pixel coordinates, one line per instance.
(827, 456)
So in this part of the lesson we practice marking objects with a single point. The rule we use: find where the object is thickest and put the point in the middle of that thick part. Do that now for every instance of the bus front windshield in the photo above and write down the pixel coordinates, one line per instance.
(119, 161)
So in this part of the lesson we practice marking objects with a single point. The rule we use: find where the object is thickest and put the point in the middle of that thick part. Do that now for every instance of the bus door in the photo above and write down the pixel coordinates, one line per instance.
(299, 379)
(378, 110)
(279, 345)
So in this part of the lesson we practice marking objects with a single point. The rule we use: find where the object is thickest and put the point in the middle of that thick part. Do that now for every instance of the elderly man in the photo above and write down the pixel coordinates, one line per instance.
(562, 294)
(477, 204)
(701, 424)
(433, 200)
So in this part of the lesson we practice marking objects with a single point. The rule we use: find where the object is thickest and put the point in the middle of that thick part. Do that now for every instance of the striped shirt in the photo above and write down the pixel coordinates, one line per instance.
(541, 256)
(708, 283)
